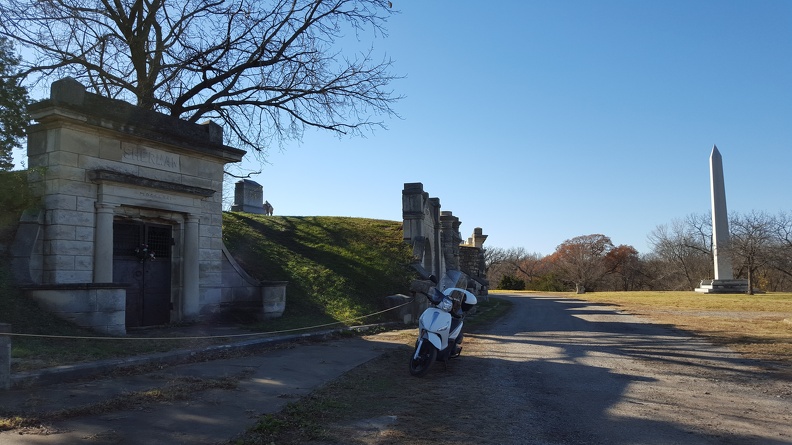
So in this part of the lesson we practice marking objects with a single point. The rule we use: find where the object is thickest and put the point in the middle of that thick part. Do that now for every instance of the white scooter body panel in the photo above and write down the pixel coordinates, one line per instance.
(436, 324)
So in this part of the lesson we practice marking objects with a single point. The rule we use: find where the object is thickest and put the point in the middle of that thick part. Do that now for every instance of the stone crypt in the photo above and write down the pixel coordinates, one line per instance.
(129, 232)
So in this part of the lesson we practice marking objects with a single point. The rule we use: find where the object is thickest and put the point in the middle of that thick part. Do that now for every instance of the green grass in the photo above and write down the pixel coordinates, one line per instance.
(338, 269)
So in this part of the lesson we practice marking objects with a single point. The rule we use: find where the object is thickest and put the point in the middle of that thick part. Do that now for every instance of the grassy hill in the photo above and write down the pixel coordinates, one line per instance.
(337, 267)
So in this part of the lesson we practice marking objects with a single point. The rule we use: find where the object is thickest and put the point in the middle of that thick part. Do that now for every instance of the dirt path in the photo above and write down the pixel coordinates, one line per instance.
(559, 371)
(563, 371)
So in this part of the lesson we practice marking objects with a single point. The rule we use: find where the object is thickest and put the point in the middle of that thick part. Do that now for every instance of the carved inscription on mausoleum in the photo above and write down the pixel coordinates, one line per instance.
(150, 157)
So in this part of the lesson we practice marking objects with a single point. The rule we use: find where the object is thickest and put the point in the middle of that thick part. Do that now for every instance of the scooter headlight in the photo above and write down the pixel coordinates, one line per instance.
(446, 304)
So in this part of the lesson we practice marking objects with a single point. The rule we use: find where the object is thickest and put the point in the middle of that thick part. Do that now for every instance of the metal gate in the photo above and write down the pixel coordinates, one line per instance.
(142, 259)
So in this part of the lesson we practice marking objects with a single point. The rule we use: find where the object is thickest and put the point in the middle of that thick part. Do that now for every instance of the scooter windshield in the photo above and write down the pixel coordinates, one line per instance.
(436, 296)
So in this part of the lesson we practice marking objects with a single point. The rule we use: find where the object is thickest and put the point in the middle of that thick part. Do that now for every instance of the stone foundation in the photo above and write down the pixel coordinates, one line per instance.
(273, 298)
(97, 306)
(723, 287)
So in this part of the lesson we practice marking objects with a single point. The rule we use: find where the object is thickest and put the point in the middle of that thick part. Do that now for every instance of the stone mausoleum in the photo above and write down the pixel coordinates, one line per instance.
(129, 232)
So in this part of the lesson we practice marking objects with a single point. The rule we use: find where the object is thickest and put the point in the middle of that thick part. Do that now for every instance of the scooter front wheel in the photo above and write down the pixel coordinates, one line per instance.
(420, 361)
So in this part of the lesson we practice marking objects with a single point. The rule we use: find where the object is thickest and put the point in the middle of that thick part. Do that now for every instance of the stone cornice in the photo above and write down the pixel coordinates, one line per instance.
(98, 176)
(69, 101)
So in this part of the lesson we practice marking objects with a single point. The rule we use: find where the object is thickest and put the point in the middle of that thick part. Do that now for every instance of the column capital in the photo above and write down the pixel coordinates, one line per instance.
(102, 207)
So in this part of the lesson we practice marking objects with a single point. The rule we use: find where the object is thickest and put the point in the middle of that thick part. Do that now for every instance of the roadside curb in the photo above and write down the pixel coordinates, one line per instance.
(77, 371)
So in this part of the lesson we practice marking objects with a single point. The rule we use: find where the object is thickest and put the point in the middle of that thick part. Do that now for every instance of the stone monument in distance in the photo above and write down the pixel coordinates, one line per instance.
(248, 197)
(724, 282)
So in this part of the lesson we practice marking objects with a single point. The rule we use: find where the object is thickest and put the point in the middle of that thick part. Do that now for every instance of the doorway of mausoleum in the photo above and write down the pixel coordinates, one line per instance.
(142, 260)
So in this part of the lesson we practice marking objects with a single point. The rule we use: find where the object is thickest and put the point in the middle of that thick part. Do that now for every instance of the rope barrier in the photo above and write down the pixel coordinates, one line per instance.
(252, 334)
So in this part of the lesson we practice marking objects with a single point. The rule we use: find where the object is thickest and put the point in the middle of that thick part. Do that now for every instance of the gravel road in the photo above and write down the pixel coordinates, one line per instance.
(564, 371)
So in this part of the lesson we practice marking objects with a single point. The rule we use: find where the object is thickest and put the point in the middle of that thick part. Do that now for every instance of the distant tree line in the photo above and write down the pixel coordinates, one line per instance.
(681, 256)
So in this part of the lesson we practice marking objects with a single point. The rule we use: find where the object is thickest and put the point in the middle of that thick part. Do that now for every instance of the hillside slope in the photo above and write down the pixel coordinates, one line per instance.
(337, 267)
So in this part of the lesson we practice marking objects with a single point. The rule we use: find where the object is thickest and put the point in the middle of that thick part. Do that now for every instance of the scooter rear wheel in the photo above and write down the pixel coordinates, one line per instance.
(420, 366)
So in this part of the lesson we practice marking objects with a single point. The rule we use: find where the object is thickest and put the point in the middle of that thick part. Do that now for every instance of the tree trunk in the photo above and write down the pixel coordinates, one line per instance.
(750, 281)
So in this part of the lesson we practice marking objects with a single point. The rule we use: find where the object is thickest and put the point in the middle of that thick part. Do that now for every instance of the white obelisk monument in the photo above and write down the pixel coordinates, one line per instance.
(720, 219)
(724, 281)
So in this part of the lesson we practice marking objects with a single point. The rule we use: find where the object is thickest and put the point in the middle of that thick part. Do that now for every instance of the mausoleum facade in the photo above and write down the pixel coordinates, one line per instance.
(130, 228)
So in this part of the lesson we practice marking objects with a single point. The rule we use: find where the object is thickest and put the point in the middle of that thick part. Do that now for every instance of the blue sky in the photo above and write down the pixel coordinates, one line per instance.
(539, 121)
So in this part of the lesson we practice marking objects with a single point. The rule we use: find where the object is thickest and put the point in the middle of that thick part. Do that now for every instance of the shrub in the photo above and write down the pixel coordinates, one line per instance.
(509, 282)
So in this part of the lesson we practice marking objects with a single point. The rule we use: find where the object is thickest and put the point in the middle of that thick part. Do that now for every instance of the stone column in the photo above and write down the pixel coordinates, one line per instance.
(5, 356)
(413, 204)
(103, 244)
(478, 238)
(437, 242)
(450, 240)
(191, 268)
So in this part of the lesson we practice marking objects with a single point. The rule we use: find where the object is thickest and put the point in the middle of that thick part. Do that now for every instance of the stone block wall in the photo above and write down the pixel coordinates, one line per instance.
(240, 291)
(90, 152)
(99, 307)
(421, 227)
(437, 244)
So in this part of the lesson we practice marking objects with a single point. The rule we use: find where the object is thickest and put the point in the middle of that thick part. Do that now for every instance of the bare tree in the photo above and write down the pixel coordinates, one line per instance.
(782, 254)
(751, 243)
(687, 245)
(266, 69)
(514, 261)
(493, 256)
(531, 266)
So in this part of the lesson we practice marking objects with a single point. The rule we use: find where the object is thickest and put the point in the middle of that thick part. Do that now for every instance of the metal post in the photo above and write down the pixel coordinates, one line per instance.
(5, 356)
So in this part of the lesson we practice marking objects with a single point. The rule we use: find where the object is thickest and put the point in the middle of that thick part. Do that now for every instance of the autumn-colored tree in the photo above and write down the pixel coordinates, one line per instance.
(624, 264)
(582, 260)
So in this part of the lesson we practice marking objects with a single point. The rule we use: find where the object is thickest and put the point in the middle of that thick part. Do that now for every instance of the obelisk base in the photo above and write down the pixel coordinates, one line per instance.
(723, 287)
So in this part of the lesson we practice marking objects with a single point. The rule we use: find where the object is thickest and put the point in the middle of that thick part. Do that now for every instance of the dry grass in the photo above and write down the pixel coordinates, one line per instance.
(360, 406)
(759, 326)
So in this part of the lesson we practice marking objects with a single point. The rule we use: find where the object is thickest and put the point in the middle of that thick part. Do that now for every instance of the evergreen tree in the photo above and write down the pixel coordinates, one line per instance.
(13, 105)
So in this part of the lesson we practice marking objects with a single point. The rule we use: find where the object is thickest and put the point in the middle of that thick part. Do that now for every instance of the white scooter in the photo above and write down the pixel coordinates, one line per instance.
(440, 328)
